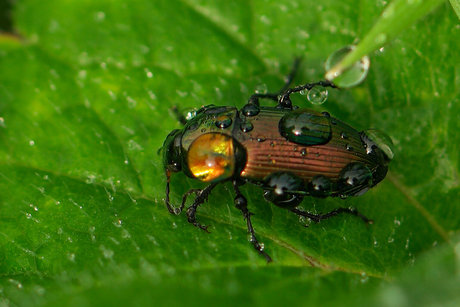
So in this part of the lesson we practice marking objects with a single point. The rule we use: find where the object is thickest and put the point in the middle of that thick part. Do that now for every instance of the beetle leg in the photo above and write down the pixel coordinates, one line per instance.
(201, 197)
(241, 204)
(284, 97)
(171, 209)
(319, 217)
(254, 99)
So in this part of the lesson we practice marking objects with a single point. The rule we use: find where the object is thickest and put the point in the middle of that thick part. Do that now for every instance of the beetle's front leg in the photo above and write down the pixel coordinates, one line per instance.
(241, 204)
(319, 217)
(201, 197)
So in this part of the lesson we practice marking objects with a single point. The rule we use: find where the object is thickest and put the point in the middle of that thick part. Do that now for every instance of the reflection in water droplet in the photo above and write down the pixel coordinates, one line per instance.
(374, 137)
(305, 127)
(246, 127)
(317, 95)
(250, 109)
(353, 76)
(261, 88)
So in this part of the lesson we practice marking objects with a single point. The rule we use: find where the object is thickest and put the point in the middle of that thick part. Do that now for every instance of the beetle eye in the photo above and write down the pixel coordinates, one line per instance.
(172, 151)
(211, 157)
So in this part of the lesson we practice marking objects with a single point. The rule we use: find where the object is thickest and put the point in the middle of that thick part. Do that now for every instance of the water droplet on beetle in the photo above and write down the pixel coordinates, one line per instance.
(374, 137)
(320, 186)
(353, 76)
(317, 95)
(354, 179)
(250, 109)
(261, 138)
(305, 127)
(223, 122)
(246, 127)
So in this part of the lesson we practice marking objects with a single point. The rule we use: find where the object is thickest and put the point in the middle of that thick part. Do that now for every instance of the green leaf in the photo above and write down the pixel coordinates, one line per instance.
(85, 104)
(396, 17)
(456, 6)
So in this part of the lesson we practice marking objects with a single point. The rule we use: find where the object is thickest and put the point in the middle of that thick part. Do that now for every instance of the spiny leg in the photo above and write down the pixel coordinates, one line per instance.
(241, 204)
(201, 197)
(171, 209)
(287, 82)
(319, 217)
(283, 96)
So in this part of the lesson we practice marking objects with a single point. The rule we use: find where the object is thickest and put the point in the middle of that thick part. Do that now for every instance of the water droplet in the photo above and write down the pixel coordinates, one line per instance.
(304, 152)
(261, 138)
(223, 122)
(304, 92)
(283, 189)
(354, 180)
(349, 147)
(317, 95)
(374, 137)
(353, 76)
(261, 88)
(320, 186)
(246, 127)
(381, 39)
(364, 278)
(71, 257)
(250, 109)
(376, 243)
(304, 221)
(305, 127)
(189, 114)
(344, 135)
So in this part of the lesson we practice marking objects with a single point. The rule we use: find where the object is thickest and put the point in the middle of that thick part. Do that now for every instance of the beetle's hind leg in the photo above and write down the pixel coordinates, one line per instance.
(319, 217)
(241, 204)
(287, 82)
(201, 197)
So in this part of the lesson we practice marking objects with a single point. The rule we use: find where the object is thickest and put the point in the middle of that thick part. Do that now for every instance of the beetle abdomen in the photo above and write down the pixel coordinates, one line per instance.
(303, 142)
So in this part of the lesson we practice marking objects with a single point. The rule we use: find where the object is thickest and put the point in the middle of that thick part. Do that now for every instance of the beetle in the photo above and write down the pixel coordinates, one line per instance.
(289, 152)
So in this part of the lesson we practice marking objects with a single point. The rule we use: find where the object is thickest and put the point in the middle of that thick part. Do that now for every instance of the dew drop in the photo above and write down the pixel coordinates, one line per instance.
(305, 127)
(261, 88)
(261, 246)
(246, 127)
(223, 122)
(353, 76)
(250, 109)
(317, 95)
